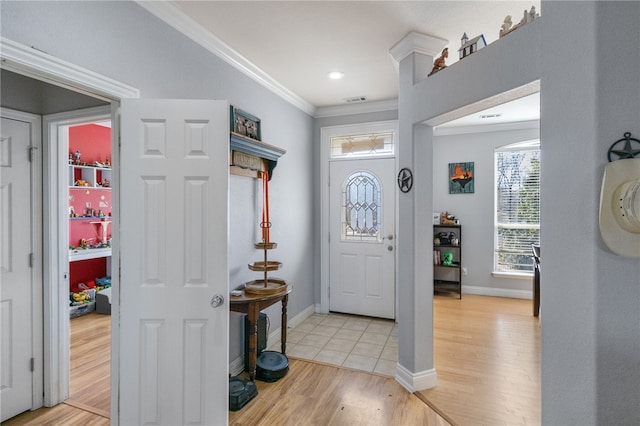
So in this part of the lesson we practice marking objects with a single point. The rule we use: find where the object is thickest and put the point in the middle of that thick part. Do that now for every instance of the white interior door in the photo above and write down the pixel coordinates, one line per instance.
(16, 285)
(173, 351)
(362, 231)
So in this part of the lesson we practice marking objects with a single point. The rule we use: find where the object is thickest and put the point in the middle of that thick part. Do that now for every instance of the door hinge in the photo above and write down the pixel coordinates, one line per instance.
(31, 259)
(32, 364)
(31, 149)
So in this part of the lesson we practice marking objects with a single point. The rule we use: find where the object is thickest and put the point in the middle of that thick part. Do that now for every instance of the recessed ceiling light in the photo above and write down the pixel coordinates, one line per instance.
(336, 75)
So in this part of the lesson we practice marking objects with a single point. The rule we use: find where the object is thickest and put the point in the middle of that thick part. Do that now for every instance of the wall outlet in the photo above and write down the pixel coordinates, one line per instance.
(464, 271)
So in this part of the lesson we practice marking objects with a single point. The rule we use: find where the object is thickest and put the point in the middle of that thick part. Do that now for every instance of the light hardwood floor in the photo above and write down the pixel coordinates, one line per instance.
(89, 377)
(313, 393)
(487, 355)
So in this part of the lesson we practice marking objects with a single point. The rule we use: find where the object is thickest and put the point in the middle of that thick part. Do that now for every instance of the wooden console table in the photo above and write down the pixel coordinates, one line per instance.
(251, 305)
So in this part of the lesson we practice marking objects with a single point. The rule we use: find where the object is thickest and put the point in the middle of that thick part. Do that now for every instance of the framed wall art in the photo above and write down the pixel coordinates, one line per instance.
(461, 178)
(245, 124)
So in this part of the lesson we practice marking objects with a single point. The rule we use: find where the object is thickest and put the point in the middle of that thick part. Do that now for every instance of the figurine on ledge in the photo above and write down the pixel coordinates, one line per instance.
(439, 62)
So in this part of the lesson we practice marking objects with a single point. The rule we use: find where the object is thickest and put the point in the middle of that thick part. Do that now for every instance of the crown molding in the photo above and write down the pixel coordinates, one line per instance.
(174, 17)
(359, 108)
(417, 43)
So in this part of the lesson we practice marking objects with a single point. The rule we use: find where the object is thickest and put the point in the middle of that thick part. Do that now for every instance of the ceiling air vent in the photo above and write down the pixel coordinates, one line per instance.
(355, 99)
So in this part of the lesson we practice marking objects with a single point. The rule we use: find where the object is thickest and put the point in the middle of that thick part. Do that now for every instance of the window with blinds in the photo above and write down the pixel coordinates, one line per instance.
(517, 205)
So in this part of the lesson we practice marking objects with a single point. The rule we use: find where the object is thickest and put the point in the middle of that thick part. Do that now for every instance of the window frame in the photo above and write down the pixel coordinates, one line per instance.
(498, 266)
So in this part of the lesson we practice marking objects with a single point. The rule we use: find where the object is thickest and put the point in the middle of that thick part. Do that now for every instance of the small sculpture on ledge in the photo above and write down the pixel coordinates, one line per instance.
(439, 62)
(528, 16)
(506, 26)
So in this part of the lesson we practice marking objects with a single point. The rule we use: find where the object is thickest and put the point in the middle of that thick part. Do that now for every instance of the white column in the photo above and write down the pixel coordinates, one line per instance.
(416, 369)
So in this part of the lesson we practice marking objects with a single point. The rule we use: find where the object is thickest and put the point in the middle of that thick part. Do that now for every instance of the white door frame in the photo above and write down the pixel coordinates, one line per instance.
(35, 124)
(326, 133)
(55, 135)
(24, 60)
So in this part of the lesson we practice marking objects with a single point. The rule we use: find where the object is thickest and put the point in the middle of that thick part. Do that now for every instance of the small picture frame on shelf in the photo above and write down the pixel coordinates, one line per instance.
(245, 124)
(436, 218)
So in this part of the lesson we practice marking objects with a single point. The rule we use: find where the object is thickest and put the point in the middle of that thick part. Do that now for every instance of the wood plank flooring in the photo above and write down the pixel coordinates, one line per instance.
(487, 357)
(320, 394)
(90, 374)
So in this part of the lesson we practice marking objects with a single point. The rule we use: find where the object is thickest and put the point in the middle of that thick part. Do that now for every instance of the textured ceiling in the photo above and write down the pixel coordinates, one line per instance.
(298, 43)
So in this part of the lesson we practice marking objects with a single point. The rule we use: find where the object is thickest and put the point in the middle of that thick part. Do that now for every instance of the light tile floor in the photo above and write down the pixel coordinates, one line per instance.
(362, 343)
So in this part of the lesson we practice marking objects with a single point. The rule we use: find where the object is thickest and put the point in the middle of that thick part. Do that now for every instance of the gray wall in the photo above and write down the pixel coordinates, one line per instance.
(124, 42)
(476, 211)
(584, 54)
(36, 97)
(590, 318)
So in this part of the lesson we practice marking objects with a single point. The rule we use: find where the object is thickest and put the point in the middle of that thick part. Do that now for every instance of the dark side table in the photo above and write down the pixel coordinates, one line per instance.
(252, 304)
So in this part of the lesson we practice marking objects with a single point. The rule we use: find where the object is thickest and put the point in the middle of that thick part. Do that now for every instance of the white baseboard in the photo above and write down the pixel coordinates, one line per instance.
(416, 381)
(237, 366)
(293, 322)
(498, 292)
(298, 319)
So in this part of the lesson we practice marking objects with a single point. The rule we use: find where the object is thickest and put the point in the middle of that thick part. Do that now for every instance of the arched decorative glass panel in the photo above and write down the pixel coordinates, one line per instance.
(361, 209)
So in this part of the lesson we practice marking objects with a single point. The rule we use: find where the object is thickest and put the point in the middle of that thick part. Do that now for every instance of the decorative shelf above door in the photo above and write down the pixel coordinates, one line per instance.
(256, 148)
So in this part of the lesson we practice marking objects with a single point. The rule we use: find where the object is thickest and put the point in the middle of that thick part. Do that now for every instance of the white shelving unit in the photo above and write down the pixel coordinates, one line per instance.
(84, 254)
(94, 176)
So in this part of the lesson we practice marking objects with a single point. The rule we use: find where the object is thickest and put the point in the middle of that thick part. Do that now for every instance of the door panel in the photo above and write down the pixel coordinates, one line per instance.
(173, 259)
(361, 255)
(16, 280)
(374, 274)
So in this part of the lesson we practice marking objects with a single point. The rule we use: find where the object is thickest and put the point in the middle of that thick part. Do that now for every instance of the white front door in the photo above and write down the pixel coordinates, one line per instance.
(16, 281)
(362, 231)
(172, 248)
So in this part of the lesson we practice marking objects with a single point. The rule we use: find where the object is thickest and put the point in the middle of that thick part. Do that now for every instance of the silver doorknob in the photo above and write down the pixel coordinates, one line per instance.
(390, 248)
(388, 237)
(216, 300)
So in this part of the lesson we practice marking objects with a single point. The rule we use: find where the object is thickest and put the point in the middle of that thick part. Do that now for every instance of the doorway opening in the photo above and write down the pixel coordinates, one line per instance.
(90, 203)
(55, 91)
(359, 272)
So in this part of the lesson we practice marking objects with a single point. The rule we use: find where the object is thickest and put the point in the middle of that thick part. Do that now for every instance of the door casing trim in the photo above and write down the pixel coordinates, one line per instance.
(326, 133)
(24, 60)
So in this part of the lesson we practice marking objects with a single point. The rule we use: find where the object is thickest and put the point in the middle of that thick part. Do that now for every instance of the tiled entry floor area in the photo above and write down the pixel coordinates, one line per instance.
(362, 343)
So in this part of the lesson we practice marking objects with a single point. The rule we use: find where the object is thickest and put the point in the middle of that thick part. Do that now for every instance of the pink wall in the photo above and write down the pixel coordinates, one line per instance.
(93, 142)
(83, 229)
